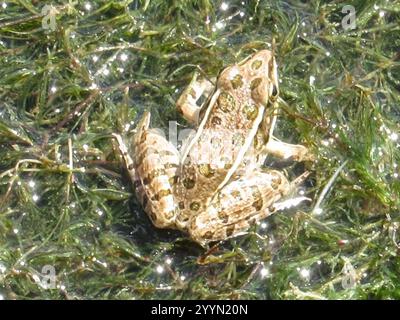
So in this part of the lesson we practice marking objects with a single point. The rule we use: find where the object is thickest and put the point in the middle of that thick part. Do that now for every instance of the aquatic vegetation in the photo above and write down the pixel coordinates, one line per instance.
(72, 74)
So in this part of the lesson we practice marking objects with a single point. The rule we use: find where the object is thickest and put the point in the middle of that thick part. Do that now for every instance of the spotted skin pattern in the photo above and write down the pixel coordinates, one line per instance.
(153, 171)
(253, 196)
(230, 124)
(215, 187)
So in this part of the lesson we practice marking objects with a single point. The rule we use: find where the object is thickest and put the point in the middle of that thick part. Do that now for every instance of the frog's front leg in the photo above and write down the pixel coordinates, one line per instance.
(187, 103)
(238, 205)
(275, 147)
(295, 152)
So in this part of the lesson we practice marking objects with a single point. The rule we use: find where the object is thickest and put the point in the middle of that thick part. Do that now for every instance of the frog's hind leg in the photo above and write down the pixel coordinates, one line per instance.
(187, 103)
(153, 171)
(277, 148)
(238, 205)
(129, 164)
(141, 131)
(156, 161)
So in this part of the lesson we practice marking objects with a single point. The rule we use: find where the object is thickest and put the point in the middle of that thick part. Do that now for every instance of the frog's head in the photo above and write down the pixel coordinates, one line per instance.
(263, 71)
(257, 73)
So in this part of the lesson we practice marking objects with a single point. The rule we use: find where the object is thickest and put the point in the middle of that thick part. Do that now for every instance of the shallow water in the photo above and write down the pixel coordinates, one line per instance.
(66, 204)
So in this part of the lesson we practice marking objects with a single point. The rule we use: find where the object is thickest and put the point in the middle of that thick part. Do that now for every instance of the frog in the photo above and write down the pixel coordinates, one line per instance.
(216, 185)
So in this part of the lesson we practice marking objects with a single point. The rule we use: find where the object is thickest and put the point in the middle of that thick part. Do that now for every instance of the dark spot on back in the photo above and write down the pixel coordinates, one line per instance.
(206, 170)
(195, 206)
(237, 81)
(255, 83)
(256, 64)
(226, 102)
(251, 111)
(216, 120)
(189, 183)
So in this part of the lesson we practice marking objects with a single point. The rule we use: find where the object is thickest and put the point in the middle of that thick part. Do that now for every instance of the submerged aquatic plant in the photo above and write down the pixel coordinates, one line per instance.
(71, 74)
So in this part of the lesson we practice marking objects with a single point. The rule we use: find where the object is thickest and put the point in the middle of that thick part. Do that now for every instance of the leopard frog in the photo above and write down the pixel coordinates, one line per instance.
(215, 186)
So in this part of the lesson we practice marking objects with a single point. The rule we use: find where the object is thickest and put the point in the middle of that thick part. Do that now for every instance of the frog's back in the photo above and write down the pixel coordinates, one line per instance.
(226, 132)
